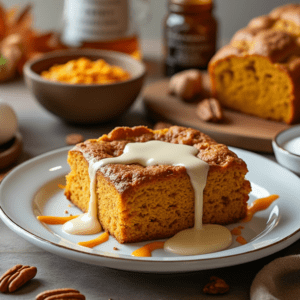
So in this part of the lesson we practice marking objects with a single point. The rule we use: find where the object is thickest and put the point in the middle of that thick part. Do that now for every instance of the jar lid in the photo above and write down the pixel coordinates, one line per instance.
(190, 6)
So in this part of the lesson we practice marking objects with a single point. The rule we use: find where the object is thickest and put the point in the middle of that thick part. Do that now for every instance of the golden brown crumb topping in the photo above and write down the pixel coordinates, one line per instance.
(113, 144)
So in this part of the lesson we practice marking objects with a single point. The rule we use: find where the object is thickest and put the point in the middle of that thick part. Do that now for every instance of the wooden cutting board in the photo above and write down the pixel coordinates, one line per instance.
(238, 130)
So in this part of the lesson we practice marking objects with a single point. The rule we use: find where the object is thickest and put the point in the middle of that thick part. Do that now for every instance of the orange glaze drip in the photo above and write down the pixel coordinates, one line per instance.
(258, 205)
(146, 250)
(55, 220)
(241, 240)
(95, 242)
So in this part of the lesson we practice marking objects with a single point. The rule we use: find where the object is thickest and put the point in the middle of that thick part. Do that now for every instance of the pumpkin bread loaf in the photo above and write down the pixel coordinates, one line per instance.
(137, 203)
(258, 73)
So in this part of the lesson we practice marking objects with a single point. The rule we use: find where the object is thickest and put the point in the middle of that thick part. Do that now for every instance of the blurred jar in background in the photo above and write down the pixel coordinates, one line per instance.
(190, 33)
(103, 24)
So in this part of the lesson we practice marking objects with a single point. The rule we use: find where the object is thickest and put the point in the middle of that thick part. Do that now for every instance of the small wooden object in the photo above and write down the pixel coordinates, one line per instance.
(237, 129)
(10, 151)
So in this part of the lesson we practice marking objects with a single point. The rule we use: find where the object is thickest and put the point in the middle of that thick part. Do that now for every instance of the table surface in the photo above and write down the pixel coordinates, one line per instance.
(43, 132)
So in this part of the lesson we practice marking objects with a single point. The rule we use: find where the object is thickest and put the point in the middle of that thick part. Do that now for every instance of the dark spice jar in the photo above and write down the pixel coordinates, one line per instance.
(190, 33)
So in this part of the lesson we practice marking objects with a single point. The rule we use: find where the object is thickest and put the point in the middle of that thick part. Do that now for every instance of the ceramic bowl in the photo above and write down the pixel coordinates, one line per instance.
(286, 146)
(84, 103)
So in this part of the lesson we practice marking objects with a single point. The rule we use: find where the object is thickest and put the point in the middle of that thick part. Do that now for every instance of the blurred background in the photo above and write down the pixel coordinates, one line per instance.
(231, 14)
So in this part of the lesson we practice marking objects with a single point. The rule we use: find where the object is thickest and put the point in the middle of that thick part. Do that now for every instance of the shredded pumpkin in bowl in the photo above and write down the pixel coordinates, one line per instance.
(86, 71)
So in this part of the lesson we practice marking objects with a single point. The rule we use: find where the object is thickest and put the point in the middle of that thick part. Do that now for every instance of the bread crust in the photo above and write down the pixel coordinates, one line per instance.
(275, 37)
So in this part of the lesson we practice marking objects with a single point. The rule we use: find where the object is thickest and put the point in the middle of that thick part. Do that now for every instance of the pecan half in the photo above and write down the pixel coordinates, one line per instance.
(57, 294)
(15, 277)
(216, 286)
(210, 110)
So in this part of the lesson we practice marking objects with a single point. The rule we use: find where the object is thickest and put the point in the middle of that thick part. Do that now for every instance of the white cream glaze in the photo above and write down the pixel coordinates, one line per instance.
(192, 241)
(87, 223)
(293, 145)
(83, 224)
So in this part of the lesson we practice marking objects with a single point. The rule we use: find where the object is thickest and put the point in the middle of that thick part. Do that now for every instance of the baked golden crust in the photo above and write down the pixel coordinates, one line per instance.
(288, 12)
(157, 201)
(275, 37)
(113, 144)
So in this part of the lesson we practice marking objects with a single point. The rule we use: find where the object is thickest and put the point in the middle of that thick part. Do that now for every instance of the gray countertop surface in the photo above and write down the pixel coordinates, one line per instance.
(43, 132)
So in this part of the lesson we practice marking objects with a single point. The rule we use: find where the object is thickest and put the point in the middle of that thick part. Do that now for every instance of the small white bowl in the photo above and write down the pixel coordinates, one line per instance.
(283, 153)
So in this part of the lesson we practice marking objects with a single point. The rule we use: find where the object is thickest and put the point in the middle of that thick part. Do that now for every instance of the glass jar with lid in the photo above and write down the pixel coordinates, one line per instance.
(104, 24)
(190, 33)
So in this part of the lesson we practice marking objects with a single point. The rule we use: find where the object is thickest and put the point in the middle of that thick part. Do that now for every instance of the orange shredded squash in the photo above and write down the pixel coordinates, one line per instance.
(236, 231)
(51, 220)
(146, 251)
(86, 71)
(258, 205)
(241, 240)
(95, 242)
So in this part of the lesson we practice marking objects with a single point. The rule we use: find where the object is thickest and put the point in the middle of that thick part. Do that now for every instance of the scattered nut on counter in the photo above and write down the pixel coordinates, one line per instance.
(210, 110)
(74, 138)
(16, 277)
(60, 294)
(186, 84)
(216, 286)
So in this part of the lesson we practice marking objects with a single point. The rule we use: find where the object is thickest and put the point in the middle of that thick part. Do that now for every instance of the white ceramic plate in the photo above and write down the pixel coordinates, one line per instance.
(32, 189)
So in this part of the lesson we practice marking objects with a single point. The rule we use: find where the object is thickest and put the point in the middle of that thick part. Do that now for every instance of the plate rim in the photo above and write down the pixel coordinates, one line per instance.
(35, 239)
